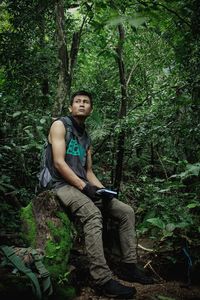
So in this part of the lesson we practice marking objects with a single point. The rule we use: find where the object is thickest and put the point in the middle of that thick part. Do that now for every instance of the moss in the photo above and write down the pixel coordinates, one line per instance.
(29, 234)
(57, 249)
(64, 292)
(58, 244)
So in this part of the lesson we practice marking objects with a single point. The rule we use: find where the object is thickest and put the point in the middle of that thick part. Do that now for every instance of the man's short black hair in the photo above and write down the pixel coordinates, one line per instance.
(81, 93)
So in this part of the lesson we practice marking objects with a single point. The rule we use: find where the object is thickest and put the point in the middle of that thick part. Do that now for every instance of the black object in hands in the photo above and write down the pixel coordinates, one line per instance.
(90, 191)
(106, 193)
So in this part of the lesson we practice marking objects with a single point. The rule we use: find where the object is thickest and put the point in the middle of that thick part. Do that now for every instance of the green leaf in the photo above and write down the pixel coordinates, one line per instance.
(136, 21)
(6, 147)
(42, 121)
(182, 225)
(166, 234)
(116, 21)
(191, 170)
(16, 114)
(160, 297)
(170, 227)
(157, 222)
(164, 190)
(193, 205)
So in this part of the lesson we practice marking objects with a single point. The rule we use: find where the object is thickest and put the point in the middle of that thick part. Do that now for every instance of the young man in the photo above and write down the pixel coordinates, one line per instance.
(76, 185)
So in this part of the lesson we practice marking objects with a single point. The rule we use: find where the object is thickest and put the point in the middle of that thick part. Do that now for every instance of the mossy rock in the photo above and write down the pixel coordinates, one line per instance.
(46, 225)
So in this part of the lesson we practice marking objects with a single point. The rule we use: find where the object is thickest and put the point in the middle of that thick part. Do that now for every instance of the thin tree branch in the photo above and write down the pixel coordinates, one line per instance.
(144, 248)
(131, 72)
(164, 169)
(101, 144)
(168, 9)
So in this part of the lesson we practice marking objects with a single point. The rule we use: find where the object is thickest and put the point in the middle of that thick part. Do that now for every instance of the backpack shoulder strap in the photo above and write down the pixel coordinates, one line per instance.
(19, 264)
(68, 126)
(44, 273)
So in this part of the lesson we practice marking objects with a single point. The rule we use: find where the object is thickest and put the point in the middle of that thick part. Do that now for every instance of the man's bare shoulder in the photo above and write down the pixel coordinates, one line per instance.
(57, 125)
(57, 131)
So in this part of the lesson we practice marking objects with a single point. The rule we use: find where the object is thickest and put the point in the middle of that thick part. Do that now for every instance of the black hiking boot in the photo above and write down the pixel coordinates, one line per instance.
(132, 273)
(114, 289)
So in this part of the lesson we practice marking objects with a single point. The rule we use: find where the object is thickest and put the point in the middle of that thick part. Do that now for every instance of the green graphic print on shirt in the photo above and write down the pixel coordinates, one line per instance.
(75, 149)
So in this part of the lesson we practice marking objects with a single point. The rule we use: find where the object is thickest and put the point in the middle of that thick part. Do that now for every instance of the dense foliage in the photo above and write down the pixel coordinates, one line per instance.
(159, 126)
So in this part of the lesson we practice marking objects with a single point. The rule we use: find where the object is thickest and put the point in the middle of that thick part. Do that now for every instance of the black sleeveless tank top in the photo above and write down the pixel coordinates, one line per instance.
(77, 144)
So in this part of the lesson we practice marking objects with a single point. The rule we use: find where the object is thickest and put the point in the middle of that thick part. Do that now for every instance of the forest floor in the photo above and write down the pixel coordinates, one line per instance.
(163, 291)
(171, 278)
(171, 283)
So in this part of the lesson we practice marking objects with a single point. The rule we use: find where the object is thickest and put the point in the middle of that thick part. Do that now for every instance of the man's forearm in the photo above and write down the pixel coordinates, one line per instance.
(68, 174)
(93, 179)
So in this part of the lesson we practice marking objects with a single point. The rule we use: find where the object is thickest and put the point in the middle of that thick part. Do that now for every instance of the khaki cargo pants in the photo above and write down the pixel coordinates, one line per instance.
(90, 217)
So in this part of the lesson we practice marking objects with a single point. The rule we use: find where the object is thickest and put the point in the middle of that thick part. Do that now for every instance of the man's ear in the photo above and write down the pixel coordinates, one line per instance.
(70, 108)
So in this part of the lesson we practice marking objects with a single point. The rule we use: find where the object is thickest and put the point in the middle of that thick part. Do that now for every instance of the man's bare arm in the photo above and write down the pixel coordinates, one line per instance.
(57, 139)
(90, 174)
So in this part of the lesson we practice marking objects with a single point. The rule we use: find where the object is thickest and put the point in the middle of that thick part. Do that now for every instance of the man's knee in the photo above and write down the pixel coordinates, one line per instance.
(126, 209)
(128, 213)
(129, 210)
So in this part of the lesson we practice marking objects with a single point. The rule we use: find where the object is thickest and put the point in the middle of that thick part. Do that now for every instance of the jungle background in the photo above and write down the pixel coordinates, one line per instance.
(140, 60)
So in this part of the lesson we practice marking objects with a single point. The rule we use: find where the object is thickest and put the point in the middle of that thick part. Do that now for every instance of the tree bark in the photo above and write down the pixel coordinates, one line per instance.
(195, 28)
(62, 58)
(67, 61)
(123, 108)
(44, 82)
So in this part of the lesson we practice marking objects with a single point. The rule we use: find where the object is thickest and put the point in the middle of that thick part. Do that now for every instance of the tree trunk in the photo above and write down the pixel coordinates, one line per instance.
(62, 58)
(123, 108)
(72, 62)
(73, 56)
(67, 61)
(46, 226)
(44, 82)
(195, 27)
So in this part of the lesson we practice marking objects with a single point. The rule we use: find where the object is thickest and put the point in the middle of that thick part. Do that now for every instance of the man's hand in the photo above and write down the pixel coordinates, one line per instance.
(90, 191)
(106, 194)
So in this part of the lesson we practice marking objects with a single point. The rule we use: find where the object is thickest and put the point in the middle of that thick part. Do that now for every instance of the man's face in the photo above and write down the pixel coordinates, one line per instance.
(81, 106)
